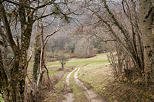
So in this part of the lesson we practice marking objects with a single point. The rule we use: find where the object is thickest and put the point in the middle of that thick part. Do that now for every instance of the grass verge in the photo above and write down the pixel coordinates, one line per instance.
(59, 86)
(51, 72)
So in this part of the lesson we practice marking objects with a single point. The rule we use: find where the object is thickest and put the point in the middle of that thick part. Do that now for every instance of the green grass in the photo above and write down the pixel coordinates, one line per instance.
(98, 59)
(96, 76)
(1, 99)
(53, 72)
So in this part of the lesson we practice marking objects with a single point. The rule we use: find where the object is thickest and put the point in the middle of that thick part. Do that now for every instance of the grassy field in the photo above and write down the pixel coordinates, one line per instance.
(92, 72)
(99, 59)
(95, 72)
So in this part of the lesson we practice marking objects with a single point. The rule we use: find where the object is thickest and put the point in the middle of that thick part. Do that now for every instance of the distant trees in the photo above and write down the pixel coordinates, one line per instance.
(71, 48)
(84, 49)
(60, 43)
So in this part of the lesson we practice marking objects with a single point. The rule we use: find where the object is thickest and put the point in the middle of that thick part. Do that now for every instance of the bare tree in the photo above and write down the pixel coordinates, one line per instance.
(62, 60)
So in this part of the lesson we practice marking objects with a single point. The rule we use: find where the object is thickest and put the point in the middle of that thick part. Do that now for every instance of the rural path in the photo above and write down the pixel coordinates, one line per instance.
(69, 96)
(89, 93)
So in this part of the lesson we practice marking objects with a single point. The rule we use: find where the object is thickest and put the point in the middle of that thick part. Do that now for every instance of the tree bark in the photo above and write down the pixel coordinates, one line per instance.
(36, 54)
(4, 80)
(36, 62)
(148, 39)
(13, 87)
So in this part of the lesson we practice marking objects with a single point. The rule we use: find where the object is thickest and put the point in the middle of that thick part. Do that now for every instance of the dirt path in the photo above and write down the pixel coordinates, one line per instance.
(68, 77)
(69, 96)
(89, 93)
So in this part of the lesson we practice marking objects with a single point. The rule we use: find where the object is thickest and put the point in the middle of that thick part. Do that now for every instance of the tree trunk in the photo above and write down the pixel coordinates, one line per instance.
(148, 39)
(4, 80)
(37, 52)
(62, 65)
(13, 89)
(36, 59)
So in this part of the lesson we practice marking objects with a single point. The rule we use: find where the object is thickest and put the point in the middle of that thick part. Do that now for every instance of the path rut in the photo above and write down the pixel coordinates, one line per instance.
(90, 94)
(69, 96)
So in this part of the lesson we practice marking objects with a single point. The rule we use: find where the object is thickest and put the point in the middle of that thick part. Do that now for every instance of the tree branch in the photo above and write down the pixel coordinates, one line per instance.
(47, 37)
(17, 3)
(7, 28)
(38, 7)
(45, 16)
(149, 12)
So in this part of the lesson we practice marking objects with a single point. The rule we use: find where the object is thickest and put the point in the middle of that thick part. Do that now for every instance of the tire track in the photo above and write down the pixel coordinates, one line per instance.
(90, 94)
(69, 96)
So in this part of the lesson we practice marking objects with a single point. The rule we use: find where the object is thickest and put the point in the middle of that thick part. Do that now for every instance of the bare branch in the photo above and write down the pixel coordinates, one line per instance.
(50, 22)
(18, 4)
(111, 30)
(45, 16)
(149, 12)
(38, 7)
(7, 27)
(47, 37)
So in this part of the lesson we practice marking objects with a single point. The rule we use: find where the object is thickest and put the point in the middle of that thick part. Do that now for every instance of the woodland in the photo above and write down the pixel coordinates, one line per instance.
(44, 42)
